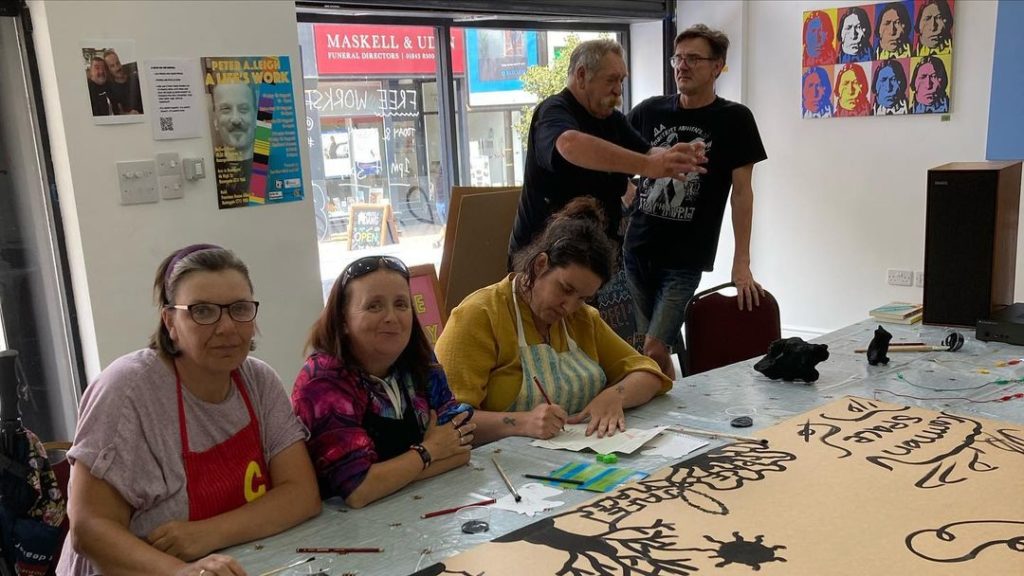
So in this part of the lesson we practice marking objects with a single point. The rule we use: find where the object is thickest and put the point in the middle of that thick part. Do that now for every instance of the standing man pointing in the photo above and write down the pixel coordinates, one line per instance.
(581, 145)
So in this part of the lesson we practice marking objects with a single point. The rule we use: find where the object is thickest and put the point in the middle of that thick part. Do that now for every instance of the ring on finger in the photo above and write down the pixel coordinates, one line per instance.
(202, 571)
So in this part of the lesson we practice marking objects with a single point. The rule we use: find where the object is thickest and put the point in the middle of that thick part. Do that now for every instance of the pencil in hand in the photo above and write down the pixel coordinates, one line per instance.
(545, 395)
(541, 388)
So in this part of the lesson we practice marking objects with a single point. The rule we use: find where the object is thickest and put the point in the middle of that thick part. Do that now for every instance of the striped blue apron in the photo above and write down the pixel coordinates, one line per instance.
(571, 379)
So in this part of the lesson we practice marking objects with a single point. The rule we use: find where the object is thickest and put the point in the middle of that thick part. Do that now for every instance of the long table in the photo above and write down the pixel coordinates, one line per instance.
(707, 401)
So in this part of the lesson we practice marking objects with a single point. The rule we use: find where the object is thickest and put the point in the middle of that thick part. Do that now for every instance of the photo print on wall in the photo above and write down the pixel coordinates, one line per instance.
(112, 77)
(884, 59)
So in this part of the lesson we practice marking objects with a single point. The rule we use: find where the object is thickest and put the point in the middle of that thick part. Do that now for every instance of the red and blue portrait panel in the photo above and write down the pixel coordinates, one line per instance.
(884, 59)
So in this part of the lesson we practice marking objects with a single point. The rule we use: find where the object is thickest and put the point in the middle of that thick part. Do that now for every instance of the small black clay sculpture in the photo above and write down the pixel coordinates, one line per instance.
(878, 347)
(792, 359)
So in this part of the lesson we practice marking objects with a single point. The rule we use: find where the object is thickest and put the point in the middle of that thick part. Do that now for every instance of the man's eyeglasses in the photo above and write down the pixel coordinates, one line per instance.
(368, 264)
(690, 59)
(205, 313)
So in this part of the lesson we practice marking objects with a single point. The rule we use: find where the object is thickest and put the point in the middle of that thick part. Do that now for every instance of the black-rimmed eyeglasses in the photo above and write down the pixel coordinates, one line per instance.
(690, 59)
(368, 264)
(206, 313)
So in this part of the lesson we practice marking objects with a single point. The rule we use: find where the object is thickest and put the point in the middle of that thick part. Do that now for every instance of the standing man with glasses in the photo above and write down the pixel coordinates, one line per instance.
(673, 234)
(581, 145)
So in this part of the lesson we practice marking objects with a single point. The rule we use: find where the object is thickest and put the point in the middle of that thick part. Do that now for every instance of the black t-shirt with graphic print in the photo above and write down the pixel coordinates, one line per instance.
(550, 181)
(676, 222)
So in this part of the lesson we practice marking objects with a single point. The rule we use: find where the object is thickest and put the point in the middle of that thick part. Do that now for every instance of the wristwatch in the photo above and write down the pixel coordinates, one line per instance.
(424, 455)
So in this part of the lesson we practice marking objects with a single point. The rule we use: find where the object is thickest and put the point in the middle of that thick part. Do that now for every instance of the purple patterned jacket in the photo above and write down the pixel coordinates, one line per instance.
(332, 400)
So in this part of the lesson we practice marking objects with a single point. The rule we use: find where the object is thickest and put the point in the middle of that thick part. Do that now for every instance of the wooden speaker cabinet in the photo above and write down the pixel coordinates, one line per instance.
(970, 241)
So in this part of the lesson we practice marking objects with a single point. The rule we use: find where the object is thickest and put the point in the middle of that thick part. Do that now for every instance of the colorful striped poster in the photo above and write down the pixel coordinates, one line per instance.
(255, 134)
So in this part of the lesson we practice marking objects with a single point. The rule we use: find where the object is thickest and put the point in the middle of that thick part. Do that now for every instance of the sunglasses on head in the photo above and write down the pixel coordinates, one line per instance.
(368, 264)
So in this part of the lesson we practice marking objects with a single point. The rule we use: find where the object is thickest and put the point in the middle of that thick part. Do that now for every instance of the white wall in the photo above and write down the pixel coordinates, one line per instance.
(114, 250)
(839, 201)
(646, 58)
(729, 16)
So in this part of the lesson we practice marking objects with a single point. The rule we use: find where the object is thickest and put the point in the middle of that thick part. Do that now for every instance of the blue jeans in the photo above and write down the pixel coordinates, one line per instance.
(660, 296)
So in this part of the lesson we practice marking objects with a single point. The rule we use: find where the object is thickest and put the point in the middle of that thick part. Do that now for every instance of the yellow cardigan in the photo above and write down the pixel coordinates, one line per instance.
(479, 350)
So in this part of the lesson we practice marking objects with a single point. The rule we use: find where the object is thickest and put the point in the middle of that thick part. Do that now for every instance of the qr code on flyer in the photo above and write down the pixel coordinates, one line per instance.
(166, 123)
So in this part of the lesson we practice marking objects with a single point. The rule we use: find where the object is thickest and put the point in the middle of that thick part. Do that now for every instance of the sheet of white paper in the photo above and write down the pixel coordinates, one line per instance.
(673, 445)
(534, 499)
(575, 438)
(175, 85)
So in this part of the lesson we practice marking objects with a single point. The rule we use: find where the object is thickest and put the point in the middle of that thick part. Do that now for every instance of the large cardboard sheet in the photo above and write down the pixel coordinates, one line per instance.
(476, 240)
(855, 487)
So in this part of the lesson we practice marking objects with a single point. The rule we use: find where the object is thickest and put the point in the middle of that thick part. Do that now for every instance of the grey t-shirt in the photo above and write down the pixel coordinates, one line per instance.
(128, 436)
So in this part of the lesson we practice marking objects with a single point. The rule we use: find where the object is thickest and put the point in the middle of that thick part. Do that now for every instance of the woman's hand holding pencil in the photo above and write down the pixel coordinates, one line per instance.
(544, 421)
(547, 419)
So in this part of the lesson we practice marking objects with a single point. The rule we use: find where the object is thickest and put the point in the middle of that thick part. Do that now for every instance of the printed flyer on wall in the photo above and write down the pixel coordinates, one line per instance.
(255, 136)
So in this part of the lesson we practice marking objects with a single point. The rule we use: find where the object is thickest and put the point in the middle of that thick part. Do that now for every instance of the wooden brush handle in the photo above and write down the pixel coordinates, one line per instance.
(915, 348)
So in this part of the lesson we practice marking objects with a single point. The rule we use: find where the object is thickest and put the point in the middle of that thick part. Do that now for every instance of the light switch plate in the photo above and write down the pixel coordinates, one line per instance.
(136, 180)
(168, 163)
(172, 186)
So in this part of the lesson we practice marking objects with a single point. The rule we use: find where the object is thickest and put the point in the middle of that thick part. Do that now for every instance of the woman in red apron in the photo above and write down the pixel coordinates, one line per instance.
(189, 446)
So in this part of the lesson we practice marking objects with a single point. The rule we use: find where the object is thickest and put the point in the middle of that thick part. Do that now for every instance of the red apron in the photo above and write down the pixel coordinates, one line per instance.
(227, 475)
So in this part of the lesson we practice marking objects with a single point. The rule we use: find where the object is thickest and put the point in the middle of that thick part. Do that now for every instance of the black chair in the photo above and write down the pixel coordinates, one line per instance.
(718, 333)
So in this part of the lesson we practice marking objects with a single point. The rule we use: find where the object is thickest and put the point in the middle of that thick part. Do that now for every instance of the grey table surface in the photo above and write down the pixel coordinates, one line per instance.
(707, 401)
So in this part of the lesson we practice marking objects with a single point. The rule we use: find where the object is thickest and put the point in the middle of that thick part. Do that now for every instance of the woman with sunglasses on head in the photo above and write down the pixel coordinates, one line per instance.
(372, 394)
(188, 446)
(531, 355)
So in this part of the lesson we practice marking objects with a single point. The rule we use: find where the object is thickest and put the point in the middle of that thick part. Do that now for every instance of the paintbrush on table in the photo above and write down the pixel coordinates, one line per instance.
(508, 483)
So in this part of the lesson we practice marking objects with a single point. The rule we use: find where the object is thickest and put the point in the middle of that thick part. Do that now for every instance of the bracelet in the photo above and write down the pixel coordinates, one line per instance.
(424, 455)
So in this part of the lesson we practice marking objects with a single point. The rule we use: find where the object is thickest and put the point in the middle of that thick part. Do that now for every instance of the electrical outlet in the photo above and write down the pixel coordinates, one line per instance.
(920, 279)
(900, 277)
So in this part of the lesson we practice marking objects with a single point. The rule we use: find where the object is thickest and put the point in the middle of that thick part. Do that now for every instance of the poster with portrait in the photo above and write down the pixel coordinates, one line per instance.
(112, 78)
(366, 152)
(496, 61)
(253, 125)
(334, 142)
(884, 59)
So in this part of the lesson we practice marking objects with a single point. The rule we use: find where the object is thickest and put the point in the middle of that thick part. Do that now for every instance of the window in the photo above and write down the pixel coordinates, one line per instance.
(377, 125)
(37, 316)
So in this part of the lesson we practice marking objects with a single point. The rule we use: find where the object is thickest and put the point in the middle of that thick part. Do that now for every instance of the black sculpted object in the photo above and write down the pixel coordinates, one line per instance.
(878, 347)
(792, 359)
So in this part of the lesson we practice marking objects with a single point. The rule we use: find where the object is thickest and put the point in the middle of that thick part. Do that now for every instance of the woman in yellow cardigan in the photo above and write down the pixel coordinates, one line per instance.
(531, 355)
